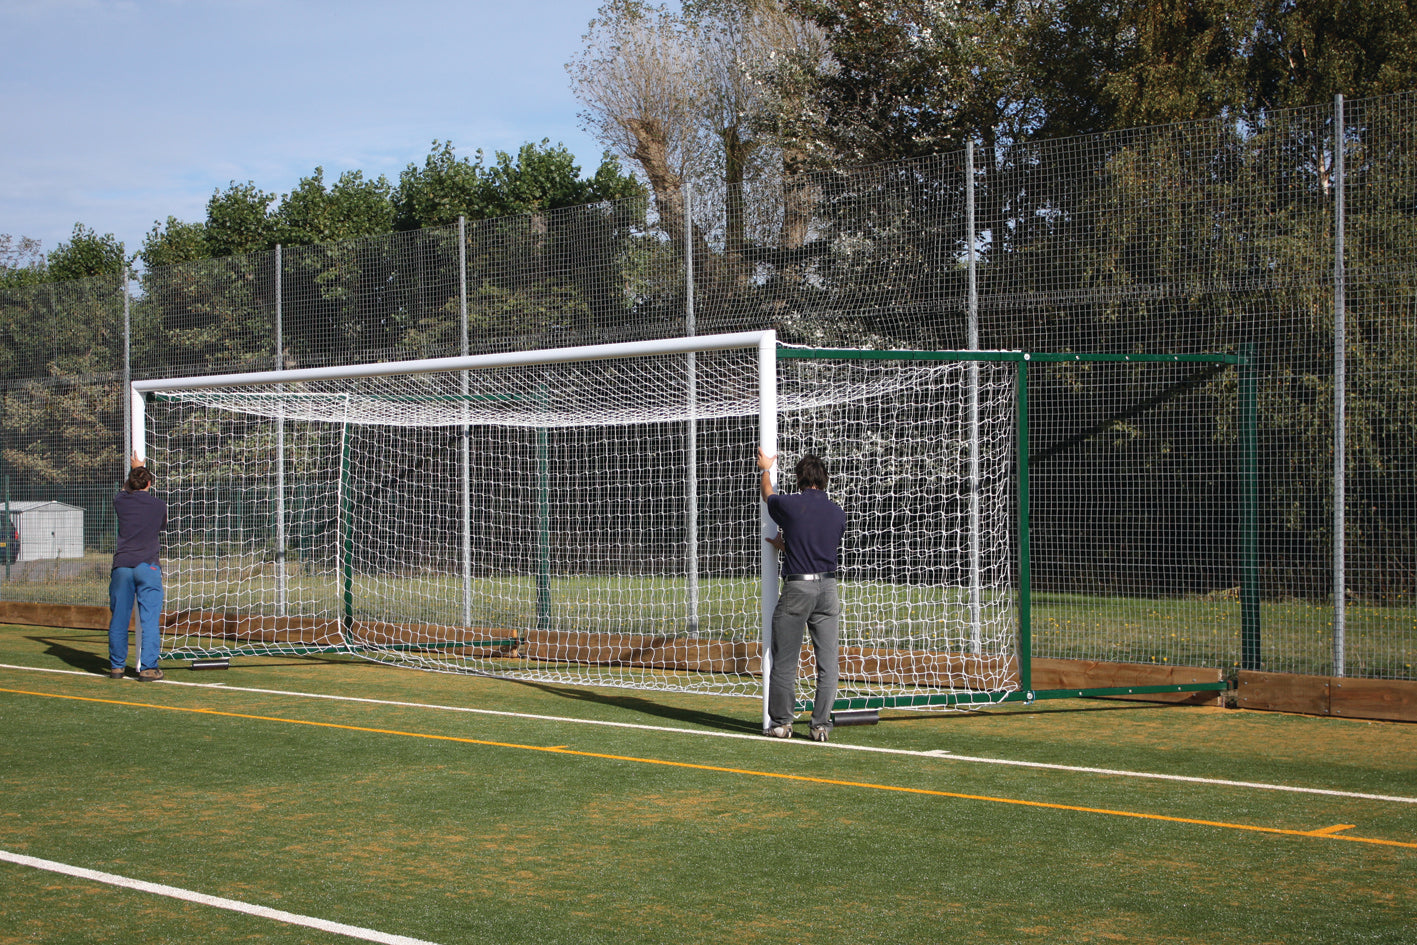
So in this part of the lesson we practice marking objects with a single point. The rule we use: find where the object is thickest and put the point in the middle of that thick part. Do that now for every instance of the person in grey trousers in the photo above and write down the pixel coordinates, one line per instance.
(810, 527)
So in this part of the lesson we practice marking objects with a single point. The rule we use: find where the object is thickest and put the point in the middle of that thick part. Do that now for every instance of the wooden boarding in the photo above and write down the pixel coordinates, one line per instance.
(310, 631)
(77, 616)
(1390, 699)
(1098, 674)
(645, 650)
(1340, 696)
(1282, 692)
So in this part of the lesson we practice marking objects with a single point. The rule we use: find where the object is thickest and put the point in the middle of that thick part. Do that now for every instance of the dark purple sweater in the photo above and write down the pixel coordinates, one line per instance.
(141, 517)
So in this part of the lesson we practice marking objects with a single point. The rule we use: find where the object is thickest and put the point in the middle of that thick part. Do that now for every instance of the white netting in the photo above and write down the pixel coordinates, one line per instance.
(598, 523)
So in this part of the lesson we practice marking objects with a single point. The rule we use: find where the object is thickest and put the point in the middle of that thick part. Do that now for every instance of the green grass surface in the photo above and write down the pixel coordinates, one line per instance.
(534, 819)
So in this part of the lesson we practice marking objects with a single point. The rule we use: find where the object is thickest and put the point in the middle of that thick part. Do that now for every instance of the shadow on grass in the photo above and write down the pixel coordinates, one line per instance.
(96, 660)
(1012, 710)
(648, 707)
(86, 660)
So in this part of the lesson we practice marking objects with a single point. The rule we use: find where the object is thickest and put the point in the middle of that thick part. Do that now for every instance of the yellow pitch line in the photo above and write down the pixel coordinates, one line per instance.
(1325, 833)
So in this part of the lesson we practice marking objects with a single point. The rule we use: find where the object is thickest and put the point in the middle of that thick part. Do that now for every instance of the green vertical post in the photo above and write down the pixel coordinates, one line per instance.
(9, 528)
(347, 535)
(543, 529)
(1025, 582)
(1249, 511)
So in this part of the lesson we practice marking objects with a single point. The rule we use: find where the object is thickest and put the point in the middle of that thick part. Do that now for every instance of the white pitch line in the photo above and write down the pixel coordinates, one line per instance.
(216, 902)
(708, 733)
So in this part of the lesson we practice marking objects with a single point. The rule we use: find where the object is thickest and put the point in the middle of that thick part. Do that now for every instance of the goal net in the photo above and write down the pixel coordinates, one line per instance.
(588, 516)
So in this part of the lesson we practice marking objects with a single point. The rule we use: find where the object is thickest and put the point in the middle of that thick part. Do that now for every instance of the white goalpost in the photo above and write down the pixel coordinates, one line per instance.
(588, 515)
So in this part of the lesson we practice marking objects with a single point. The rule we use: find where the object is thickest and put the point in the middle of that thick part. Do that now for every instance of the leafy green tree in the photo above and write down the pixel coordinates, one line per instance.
(86, 254)
(914, 77)
(239, 221)
(542, 178)
(539, 178)
(174, 243)
(443, 189)
(207, 288)
(352, 208)
(1305, 53)
(61, 337)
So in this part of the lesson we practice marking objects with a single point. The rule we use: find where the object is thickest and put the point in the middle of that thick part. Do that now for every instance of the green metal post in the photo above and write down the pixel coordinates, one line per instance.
(347, 536)
(1025, 585)
(1249, 511)
(543, 529)
(9, 528)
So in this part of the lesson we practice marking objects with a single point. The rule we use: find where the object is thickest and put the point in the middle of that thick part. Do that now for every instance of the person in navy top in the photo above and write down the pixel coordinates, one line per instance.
(810, 527)
(136, 574)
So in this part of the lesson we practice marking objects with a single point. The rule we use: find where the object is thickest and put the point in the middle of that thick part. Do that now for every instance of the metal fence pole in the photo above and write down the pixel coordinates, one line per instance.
(465, 447)
(976, 590)
(1340, 396)
(1250, 656)
(691, 486)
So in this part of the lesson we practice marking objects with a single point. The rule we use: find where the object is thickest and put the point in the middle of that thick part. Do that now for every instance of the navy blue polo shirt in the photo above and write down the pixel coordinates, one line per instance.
(812, 525)
(141, 518)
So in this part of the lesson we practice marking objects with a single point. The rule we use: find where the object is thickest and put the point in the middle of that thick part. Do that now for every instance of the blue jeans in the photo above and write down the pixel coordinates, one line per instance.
(143, 583)
(814, 606)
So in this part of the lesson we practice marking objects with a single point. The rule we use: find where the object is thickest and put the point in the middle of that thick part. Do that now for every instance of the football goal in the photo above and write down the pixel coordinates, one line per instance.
(590, 515)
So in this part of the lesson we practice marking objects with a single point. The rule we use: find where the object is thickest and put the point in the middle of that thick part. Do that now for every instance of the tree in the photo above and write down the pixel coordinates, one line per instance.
(636, 79)
(906, 78)
(174, 243)
(21, 262)
(86, 254)
(1305, 53)
(539, 178)
(239, 221)
(352, 208)
(542, 178)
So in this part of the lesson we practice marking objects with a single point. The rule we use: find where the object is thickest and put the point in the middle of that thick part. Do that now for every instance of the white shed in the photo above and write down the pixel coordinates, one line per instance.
(48, 529)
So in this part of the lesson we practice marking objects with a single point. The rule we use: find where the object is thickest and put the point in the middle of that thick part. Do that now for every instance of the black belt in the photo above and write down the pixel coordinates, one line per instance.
(809, 577)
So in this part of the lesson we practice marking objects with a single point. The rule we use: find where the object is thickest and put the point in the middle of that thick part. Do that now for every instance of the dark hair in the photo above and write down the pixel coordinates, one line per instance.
(138, 479)
(811, 472)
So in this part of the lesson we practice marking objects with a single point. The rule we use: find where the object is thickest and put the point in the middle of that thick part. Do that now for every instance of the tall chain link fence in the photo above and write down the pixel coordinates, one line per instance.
(1293, 243)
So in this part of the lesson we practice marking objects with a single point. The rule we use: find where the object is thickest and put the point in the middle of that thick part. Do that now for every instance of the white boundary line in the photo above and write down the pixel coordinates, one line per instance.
(216, 902)
(707, 733)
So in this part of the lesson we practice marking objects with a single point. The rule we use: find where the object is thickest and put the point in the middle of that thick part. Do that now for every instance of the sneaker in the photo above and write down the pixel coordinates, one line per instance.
(118, 673)
(149, 675)
(779, 731)
(820, 733)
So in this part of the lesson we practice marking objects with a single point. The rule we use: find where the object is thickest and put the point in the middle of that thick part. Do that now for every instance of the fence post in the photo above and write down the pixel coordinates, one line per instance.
(976, 584)
(1249, 512)
(691, 431)
(1340, 394)
(1025, 539)
(464, 444)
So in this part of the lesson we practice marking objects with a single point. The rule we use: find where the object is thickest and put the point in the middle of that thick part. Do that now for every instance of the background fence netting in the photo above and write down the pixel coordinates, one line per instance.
(1200, 237)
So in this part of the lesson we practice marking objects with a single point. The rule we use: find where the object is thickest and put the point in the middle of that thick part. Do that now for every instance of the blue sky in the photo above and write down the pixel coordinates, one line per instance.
(118, 113)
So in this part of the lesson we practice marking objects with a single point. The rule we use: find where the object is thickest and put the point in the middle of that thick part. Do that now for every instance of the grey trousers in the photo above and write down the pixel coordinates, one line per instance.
(814, 606)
